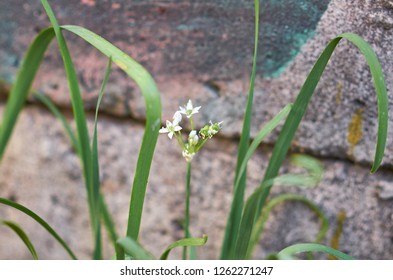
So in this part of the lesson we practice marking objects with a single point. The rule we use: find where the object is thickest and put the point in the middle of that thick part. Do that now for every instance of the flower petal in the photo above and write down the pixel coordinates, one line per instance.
(176, 118)
(189, 105)
(182, 110)
(177, 128)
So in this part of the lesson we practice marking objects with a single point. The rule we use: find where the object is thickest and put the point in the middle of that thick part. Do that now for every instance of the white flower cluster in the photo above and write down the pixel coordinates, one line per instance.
(195, 139)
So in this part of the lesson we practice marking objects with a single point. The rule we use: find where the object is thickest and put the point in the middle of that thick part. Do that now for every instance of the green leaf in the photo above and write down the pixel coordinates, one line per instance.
(257, 200)
(240, 179)
(96, 168)
(80, 117)
(153, 119)
(288, 252)
(22, 235)
(56, 112)
(22, 85)
(260, 224)
(132, 248)
(313, 167)
(108, 221)
(39, 220)
(184, 243)
(266, 130)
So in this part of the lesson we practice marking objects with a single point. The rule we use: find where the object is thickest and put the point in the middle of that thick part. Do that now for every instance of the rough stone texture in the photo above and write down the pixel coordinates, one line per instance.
(59, 195)
(202, 51)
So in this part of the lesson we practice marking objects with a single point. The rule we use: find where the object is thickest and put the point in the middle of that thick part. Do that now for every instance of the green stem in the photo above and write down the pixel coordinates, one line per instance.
(179, 139)
(192, 123)
(187, 210)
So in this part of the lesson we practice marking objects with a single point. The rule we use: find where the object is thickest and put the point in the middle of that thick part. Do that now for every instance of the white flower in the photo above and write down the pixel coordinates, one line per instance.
(177, 117)
(193, 138)
(187, 155)
(172, 127)
(189, 110)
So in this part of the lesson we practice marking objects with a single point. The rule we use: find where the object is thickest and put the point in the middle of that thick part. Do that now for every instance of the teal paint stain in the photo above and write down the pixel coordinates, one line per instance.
(285, 27)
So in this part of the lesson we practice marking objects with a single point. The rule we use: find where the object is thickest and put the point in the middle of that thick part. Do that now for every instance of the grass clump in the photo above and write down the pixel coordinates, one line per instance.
(247, 215)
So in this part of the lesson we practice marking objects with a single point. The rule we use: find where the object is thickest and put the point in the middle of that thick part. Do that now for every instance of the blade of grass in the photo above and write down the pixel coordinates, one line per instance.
(96, 169)
(265, 131)
(39, 220)
(268, 128)
(191, 242)
(56, 112)
(311, 247)
(105, 215)
(132, 248)
(134, 70)
(233, 222)
(312, 166)
(22, 235)
(23, 84)
(260, 224)
(292, 122)
(153, 119)
(108, 221)
(80, 118)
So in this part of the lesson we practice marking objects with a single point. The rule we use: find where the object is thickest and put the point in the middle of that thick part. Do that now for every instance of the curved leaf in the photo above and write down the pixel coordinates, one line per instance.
(257, 199)
(132, 248)
(39, 220)
(22, 85)
(153, 119)
(259, 226)
(288, 252)
(192, 242)
(22, 235)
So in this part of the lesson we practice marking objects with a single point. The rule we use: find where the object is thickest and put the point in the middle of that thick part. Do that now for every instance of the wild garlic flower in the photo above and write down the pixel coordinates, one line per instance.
(172, 127)
(189, 109)
(196, 139)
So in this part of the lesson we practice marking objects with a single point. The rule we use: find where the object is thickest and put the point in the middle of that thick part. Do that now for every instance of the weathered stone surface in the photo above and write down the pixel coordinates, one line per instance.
(201, 50)
(41, 171)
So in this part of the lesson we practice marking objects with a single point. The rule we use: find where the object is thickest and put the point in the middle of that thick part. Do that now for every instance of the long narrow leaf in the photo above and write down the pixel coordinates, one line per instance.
(23, 84)
(284, 140)
(39, 220)
(132, 248)
(108, 221)
(288, 252)
(56, 112)
(22, 235)
(260, 224)
(105, 215)
(153, 119)
(96, 168)
(186, 242)
(80, 117)
(240, 179)
(231, 226)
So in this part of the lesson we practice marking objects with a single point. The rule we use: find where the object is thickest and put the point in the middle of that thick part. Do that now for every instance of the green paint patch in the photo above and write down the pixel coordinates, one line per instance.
(285, 28)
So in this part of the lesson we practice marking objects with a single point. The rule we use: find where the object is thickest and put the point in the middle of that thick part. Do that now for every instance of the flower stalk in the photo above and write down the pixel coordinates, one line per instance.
(189, 148)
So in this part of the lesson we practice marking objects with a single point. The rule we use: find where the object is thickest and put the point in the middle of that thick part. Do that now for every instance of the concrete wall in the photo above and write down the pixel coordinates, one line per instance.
(202, 50)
